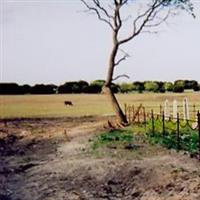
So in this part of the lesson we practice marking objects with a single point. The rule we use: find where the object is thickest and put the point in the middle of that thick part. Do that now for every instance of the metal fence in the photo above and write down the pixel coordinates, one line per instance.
(157, 123)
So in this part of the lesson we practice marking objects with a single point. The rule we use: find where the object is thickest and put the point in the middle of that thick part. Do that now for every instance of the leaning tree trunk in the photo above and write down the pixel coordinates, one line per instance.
(121, 118)
(107, 87)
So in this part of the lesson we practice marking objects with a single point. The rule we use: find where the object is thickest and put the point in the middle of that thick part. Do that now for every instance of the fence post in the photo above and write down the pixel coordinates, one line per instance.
(161, 111)
(163, 123)
(152, 120)
(178, 132)
(198, 117)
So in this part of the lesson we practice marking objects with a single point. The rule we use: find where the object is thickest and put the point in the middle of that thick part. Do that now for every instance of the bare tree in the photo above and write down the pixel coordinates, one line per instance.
(114, 13)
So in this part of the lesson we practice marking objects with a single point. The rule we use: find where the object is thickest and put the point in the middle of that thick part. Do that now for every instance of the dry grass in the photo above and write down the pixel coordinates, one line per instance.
(84, 104)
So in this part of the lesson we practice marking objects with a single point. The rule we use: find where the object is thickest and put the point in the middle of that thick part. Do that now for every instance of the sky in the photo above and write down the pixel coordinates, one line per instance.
(54, 41)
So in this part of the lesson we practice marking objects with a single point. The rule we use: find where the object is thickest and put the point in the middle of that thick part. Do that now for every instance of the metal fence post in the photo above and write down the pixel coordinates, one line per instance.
(161, 111)
(198, 117)
(178, 132)
(152, 120)
(163, 123)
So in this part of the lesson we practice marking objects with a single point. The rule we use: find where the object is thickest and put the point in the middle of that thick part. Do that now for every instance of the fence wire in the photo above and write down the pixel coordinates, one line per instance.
(186, 133)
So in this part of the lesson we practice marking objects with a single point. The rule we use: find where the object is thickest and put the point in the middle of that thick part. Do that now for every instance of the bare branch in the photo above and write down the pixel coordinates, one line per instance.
(150, 32)
(160, 20)
(97, 3)
(97, 12)
(121, 76)
(123, 2)
(122, 59)
(146, 16)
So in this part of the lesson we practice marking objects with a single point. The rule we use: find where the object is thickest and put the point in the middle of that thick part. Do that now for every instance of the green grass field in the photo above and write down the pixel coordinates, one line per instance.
(30, 106)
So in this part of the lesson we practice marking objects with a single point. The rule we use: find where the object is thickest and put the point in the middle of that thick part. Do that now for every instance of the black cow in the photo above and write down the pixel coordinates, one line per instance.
(68, 103)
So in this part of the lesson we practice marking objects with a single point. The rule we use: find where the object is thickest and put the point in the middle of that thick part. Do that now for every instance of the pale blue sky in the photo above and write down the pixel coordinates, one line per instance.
(51, 41)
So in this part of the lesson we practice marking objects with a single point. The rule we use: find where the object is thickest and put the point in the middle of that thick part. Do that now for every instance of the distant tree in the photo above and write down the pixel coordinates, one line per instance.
(99, 82)
(98, 85)
(83, 85)
(43, 89)
(127, 87)
(161, 86)
(151, 86)
(10, 88)
(69, 88)
(168, 86)
(115, 14)
(25, 89)
(196, 87)
(179, 86)
(139, 86)
(191, 84)
(93, 89)
(115, 88)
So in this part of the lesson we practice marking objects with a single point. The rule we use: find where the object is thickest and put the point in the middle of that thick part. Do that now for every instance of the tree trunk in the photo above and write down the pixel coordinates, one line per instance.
(121, 118)
(107, 87)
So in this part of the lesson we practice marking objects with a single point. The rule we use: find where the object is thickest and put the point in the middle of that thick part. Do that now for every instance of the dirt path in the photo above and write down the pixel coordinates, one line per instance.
(50, 160)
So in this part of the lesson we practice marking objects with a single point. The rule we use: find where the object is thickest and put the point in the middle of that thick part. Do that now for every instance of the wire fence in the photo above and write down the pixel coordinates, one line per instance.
(172, 131)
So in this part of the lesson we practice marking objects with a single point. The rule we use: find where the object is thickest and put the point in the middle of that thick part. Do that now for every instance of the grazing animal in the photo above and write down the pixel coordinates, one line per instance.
(68, 103)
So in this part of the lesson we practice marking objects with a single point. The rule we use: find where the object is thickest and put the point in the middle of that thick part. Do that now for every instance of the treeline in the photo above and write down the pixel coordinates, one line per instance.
(95, 87)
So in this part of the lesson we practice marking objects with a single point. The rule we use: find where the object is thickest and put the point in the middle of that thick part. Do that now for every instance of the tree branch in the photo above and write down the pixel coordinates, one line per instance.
(97, 3)
(97, 12)
(160, 20)
(122, 59)
(146, 17)
(121, 76)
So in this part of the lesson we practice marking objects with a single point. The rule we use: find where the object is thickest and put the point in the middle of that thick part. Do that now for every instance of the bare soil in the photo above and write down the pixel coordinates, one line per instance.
(51, 159)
